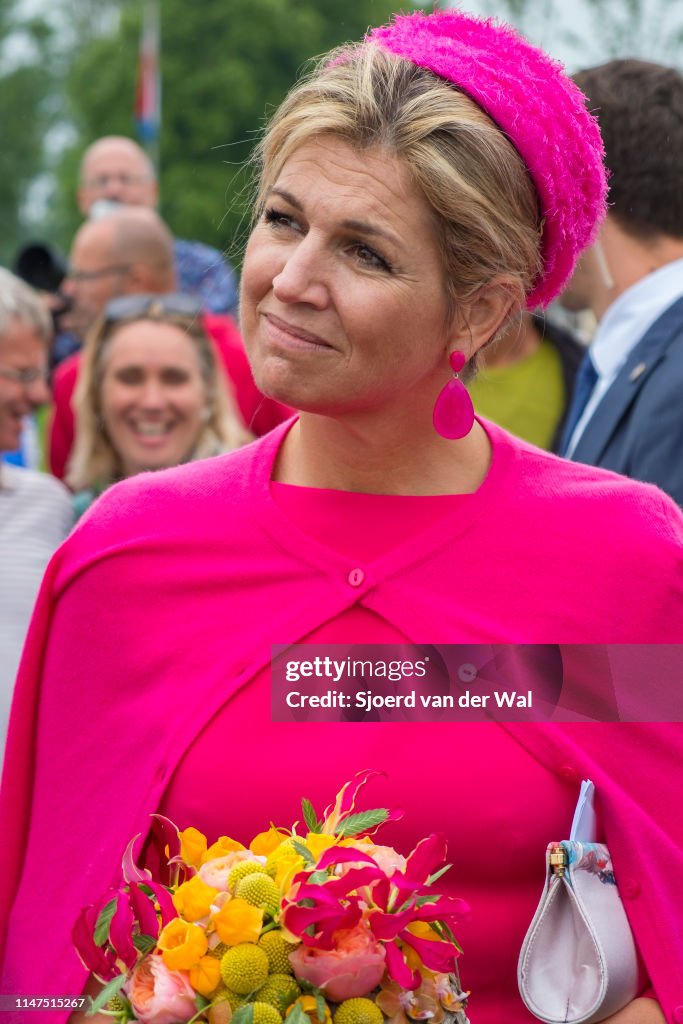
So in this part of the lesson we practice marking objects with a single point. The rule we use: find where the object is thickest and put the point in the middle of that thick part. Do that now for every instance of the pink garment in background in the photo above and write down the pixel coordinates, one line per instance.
(162, 606)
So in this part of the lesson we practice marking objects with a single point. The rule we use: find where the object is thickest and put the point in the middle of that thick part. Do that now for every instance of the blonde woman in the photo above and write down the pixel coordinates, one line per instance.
(150, 395)
(416, 191)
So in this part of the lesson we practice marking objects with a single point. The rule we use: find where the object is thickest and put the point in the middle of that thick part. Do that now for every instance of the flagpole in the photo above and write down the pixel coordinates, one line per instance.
(148, 93)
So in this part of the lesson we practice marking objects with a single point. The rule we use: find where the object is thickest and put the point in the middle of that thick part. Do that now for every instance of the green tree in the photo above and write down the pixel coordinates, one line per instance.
(24, 114)
(224, 64)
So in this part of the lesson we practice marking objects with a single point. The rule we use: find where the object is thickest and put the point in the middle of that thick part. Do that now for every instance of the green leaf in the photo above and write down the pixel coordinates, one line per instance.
(422, 901)
(321, 1007)
(101, 933)
(110, 990)
(318, 877)
(144, 943)
(245, 1015)
(437, 874)
(201, 1002)
(450, 936)
(295, 1016)
(303, 851)
(356, 823)
(310, 817)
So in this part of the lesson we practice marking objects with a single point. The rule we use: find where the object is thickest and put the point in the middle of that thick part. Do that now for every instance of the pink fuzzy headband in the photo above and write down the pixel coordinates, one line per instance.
(538, 107)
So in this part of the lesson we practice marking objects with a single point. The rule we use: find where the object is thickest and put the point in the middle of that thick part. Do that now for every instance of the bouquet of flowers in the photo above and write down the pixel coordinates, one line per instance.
(301, 926)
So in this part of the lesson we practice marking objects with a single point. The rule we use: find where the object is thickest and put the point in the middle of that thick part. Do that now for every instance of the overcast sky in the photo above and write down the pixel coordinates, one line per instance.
(581, 33)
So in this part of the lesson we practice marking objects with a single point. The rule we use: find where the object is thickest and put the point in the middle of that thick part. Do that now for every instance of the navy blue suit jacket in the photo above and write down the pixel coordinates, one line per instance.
(637, 429)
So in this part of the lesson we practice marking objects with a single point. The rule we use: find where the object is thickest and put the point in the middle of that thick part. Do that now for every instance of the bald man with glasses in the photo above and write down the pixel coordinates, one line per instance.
(116, 171)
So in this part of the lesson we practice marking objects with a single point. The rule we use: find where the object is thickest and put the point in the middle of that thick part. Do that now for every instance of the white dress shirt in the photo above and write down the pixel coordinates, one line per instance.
(626, 321)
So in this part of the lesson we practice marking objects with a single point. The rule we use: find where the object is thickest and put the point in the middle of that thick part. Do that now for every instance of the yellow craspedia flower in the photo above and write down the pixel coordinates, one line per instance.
(182, 945)
(206, 976)
(265, 842)
(277, 949)
(260, 890)
(193, 899)
(264, 1013)
(192, 846)
(244, 868)
(318, 843)
(309, 1004)
(244, 968)
(222, 846)
(358, 1011)
(280, 990)
(237, 921)
(283, 863)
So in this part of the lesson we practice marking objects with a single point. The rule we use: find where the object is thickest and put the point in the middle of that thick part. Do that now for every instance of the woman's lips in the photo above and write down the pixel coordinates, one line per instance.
(285, 335)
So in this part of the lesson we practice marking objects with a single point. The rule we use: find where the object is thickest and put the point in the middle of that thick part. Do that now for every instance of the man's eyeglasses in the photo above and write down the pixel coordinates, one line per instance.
(126, 307)
(92, 275)
(31, 375)
(102, 180)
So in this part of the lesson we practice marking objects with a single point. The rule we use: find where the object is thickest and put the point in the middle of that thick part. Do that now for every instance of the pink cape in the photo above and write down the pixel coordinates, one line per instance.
(165, 599)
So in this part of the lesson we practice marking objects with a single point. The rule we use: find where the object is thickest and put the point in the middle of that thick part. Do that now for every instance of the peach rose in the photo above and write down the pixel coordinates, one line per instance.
(216, 872)
(386, 858)
(353, 968)
(160, 996)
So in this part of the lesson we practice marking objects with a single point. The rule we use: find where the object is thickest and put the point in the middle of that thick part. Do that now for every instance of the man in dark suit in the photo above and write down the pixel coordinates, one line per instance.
(627, 411)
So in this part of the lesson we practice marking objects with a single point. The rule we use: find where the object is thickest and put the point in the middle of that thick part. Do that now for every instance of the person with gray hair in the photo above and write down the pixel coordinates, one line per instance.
(35, 510)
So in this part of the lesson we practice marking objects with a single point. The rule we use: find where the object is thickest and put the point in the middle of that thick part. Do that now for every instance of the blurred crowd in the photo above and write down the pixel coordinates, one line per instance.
(127, 357)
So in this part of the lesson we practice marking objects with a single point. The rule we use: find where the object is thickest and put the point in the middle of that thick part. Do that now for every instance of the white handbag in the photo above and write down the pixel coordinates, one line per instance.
(578, 963)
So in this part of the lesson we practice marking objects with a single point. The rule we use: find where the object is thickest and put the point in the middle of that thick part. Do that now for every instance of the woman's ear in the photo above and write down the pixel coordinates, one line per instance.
(483, 315)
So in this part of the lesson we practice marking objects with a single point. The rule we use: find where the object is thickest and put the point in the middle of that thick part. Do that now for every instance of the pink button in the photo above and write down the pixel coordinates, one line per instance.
(568, 773)
(678, 1015)
(630, 888)
(356, 577)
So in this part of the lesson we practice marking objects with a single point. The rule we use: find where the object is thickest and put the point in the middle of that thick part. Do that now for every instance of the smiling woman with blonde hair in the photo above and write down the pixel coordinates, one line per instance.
(151, 394)
(416, 191)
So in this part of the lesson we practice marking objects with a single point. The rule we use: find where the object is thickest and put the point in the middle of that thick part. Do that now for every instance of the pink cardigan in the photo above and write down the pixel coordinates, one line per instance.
(168, 594)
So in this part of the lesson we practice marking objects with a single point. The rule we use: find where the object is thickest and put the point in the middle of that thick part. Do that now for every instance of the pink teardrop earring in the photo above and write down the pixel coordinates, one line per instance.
(454, 412)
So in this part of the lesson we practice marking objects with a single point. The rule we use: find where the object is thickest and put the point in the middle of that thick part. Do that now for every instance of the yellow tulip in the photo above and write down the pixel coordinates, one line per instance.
(182, 945)
(205, 977)
(222, 846)
(192, 846)
(193, 899)
(317, 844)
(237, 921)
(264, 843)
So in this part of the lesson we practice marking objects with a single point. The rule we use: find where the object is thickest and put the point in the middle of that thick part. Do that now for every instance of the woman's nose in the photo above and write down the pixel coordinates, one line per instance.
(302, 277)
(152, 394)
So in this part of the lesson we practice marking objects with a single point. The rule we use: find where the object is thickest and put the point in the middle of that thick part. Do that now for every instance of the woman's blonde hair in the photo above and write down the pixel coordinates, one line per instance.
(486, 210)
(94, 462)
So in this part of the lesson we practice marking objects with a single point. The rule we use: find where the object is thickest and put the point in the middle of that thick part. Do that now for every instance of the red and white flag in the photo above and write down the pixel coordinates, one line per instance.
(148, 92)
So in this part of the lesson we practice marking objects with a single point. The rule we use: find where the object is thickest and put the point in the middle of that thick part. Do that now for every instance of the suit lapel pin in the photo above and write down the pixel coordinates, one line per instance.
(637, 371)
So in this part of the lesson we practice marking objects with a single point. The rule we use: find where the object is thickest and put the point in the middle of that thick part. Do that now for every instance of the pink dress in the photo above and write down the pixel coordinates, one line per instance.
(154, 628)
(496, 844)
